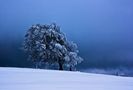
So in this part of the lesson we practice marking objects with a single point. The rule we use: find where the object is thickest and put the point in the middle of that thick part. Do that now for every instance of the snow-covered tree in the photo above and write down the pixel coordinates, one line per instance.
(47, 44)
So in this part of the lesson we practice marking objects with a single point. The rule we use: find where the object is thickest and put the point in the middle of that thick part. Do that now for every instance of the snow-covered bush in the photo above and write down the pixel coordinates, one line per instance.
(47, 44)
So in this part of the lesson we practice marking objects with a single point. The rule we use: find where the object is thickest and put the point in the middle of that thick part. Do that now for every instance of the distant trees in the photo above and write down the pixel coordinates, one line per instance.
(47, 44)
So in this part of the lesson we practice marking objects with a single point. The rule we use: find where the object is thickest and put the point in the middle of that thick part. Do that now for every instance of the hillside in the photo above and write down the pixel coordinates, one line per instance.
(36, 79)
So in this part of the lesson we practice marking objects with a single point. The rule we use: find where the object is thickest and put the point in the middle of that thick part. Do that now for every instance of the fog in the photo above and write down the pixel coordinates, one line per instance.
(102, 29)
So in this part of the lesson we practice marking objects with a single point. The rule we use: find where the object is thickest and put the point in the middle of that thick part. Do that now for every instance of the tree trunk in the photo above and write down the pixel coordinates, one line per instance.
(60, 66)
(70, 69)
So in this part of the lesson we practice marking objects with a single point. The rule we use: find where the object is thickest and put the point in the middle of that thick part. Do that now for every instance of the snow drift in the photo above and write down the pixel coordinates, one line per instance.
(36, 79)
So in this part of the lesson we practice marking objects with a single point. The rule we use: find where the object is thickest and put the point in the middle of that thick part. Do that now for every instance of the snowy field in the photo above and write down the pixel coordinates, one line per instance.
(36, 79)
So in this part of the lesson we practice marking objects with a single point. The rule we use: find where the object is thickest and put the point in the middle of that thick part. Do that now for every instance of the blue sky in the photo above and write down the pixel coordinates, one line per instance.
(103, 29)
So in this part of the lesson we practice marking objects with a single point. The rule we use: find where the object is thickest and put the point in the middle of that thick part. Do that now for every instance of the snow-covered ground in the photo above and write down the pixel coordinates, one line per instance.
(36, 79)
